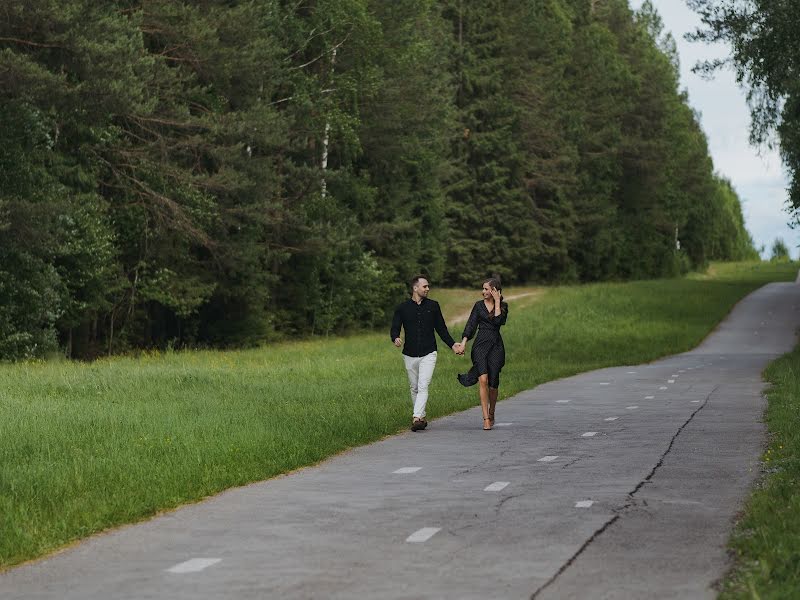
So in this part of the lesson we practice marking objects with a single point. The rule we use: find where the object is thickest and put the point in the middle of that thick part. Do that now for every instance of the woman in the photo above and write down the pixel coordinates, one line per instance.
(488, 353)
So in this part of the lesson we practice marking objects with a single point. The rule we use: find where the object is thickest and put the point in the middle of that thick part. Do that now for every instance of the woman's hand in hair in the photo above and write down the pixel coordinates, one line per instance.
(498, 309)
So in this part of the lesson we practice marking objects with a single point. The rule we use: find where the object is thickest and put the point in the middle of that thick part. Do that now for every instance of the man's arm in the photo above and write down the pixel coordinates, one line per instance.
(394, 332)
(441, 328)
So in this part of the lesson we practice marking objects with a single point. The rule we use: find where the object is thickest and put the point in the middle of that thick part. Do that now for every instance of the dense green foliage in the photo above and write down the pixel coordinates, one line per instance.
(227, 171)
(85, 446)
(767, 538)
(763, 36)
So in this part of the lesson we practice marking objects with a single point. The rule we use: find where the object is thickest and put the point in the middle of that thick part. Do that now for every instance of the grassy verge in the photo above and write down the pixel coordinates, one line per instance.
(767, 539)
(87, 446)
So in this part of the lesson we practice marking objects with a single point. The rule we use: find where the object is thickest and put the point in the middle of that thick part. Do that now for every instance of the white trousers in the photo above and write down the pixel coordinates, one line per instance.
(420, 373)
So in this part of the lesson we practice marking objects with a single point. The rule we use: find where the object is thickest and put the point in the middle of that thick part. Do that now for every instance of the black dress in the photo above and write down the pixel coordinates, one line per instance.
(488, 352)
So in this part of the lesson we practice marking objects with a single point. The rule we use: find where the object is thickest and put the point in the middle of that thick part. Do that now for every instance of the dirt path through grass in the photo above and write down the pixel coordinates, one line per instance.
(460, 318)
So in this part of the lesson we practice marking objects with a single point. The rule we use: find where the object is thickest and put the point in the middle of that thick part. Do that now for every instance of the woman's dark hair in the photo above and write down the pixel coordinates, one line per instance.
(494, 282)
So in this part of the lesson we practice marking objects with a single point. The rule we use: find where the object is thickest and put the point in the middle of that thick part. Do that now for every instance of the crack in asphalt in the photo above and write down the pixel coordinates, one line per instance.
(625, 507)
(487, 461)
(503, 500)
(572, 462)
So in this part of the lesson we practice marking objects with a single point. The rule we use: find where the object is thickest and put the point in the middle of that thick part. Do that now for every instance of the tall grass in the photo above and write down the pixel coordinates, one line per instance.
(87, 446)
(767, 539)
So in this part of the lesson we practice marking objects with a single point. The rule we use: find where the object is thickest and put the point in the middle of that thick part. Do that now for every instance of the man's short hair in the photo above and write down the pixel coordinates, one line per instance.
(416, 278)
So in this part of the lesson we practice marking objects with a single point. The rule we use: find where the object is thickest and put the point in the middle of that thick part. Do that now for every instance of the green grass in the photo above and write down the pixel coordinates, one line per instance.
(767, 539)
(87, 446)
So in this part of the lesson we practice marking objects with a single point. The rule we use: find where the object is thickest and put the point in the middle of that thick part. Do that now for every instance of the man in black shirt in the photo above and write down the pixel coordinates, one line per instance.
(419, 317)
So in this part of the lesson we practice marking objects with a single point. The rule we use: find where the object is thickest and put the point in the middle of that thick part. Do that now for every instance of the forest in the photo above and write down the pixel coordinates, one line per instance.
(223, 173)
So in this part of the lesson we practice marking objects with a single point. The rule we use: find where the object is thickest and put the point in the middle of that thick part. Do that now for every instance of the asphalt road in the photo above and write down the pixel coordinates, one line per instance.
(619, 483)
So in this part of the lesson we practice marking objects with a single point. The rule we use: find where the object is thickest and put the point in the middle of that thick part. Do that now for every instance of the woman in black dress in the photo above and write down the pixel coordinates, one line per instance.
(488, 353)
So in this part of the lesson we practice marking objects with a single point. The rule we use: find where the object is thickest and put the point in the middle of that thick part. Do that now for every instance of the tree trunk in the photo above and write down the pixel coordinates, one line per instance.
(326, 138)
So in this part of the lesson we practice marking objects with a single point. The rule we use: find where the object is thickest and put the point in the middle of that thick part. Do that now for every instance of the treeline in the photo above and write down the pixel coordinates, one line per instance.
(223, 172)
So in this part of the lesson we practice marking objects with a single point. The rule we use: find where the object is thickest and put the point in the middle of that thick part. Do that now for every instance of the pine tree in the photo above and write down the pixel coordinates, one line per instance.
(406, 130)
(599, 78)
(508, 206)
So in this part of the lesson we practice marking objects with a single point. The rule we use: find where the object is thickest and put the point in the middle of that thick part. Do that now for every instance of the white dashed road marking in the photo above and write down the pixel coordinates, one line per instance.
(423, 535)
(649, 397)
(611, 418)
(663, 387)
(670, 381)
(496, 486)
(503, 424)
(631, 407)
(406, 470)
(584, 503)
(562, 401)
(547, 459)
(604, 383)
(194, 565)
(589, 434)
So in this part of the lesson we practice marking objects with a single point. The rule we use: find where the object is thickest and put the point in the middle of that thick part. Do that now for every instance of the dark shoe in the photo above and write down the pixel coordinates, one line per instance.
(424, 423)
(418, 424)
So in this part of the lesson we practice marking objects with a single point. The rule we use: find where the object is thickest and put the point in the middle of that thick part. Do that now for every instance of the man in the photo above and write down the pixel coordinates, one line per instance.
(419, 317)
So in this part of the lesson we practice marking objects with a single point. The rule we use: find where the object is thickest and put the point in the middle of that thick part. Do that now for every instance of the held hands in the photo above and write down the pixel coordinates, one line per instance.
(457, 348)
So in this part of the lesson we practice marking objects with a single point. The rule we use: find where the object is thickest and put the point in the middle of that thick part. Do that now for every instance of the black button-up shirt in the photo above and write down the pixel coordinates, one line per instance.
(419, 322)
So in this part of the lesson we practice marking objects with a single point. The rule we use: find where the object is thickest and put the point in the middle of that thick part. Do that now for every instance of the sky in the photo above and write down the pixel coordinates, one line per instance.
(757, 174)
